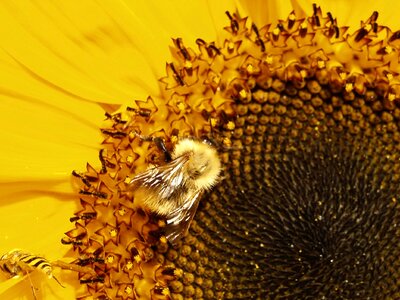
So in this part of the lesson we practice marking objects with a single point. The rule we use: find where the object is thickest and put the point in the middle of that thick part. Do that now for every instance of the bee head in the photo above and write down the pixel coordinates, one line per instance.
(203, 165)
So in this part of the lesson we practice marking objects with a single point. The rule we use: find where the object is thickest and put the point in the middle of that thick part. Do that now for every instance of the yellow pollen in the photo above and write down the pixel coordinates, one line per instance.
(110, 259)
(213, 122)
(230, 125)
(128, 290)
(137, 258)
(391, 97)
(227, 142)
(216, 80)
(276, 31)
(349, 87)
(343, 75)
(321, 64)
(178, 272)
(188, 64)
(243, 94)
(113, 232)
(174, 139)
(250, 68)
(129, 159)
(181, 106)
(388, 49)
(132, 135)
(122, 211)
(129, 265)
(165, 291)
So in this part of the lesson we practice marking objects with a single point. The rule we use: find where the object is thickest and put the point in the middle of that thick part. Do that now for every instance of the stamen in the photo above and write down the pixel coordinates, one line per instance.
(234, 23)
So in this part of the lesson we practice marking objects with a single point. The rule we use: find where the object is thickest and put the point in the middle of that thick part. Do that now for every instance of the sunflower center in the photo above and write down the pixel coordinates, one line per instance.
(309, 204)
(307, 121)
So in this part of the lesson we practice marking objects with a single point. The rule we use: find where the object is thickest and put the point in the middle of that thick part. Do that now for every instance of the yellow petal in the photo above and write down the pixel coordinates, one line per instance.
(109, 52)
(43, 141)
(79, 49)
(350, 13)
(34, 221)
(265, 12)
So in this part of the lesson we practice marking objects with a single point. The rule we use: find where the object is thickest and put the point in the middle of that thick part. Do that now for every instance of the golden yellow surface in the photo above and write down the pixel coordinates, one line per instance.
(61, 63)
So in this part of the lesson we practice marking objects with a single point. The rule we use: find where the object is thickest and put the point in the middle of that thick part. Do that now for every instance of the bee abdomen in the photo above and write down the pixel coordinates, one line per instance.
(37, 262)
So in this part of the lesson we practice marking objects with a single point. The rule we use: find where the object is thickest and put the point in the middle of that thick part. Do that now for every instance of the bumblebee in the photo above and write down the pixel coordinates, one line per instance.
(173, 190)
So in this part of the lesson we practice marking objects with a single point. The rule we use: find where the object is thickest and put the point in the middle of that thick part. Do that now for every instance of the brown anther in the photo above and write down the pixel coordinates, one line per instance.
(83, 178)
(103, 162)
(234, 23)
(281, 27)
(177, 77)
(259, 41)
(395, 36)
(330, 17)
(374, 17)
(361, 34)
(143, 112)
(94, 194)
(98, 279)
(84, 216)
(315, 16)
(291, 20)
(161, 290)
(90, 260)
(179, 44)
(303, 29)
(117, 118)
(114, 133)
(69, 241)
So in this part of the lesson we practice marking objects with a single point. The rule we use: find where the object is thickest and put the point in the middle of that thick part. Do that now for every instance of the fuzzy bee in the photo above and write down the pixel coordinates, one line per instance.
(173, 190)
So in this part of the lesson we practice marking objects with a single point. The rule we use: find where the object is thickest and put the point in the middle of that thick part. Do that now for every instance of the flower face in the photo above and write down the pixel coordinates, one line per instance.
(304, 114)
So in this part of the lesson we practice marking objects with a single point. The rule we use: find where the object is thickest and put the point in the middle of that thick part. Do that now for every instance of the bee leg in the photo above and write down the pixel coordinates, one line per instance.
(58, 281)
(32, 286)
(159, 143)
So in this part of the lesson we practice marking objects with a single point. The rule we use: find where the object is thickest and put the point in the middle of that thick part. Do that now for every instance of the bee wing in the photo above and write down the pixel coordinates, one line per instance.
(178, 222)
(163, 180)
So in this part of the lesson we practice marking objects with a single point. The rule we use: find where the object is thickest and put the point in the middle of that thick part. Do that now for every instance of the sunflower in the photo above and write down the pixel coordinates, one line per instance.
(301, 100)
